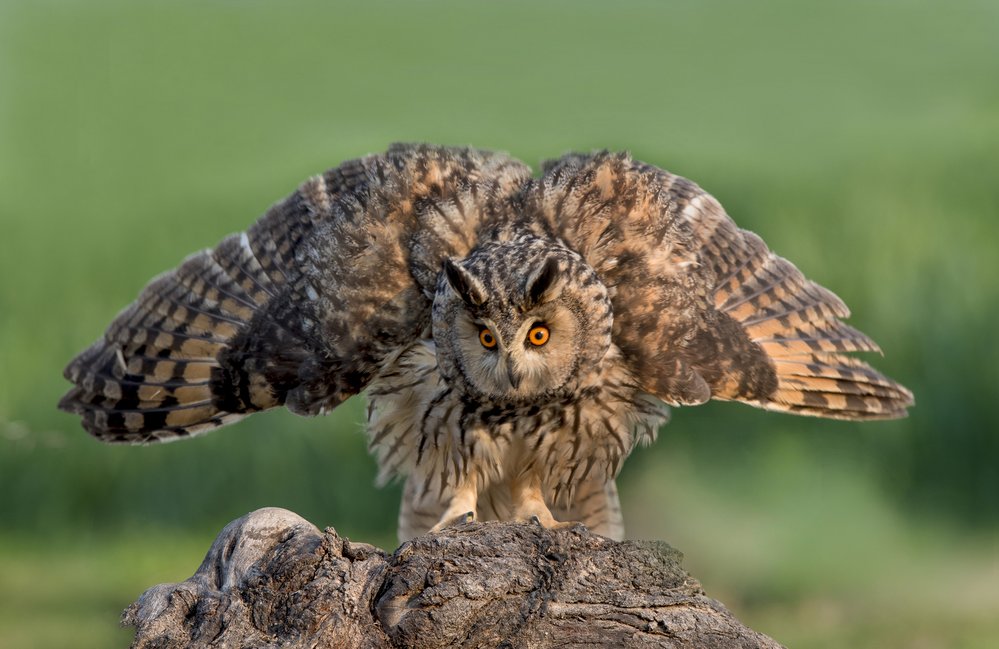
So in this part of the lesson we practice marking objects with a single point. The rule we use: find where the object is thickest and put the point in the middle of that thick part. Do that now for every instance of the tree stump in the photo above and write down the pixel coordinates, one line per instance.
(272, 579)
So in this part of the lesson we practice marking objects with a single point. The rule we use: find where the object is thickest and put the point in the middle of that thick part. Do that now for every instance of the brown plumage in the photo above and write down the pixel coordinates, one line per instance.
(516, 337)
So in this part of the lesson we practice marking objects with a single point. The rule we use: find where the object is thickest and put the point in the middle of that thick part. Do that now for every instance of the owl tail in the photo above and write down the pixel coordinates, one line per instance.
(797, 325)
(156, 374)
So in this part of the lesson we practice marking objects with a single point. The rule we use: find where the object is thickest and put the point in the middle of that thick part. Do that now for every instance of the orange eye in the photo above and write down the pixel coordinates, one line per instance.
(487, 339)
(538, 335)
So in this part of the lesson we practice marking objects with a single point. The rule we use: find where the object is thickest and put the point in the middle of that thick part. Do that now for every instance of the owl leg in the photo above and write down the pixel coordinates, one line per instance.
(529, 503)
(596, 504)
(418, 511)
(461, 509)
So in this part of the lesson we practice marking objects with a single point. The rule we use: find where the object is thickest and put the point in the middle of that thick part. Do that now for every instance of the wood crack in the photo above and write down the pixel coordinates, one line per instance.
(273, 579)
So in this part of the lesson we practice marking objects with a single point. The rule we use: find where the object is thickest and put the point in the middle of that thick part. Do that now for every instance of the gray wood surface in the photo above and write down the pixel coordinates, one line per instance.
(272, 579)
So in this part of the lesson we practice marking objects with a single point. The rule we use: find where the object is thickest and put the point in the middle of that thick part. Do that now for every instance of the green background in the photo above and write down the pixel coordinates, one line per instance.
(860, 139)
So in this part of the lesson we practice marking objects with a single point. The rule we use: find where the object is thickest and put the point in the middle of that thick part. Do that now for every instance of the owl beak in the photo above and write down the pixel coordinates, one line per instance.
(513, 376)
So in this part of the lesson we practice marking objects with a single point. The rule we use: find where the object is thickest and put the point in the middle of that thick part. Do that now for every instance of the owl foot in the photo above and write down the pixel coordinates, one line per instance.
(453, 521)
(460, 510)
(530, 505)
(553, 524)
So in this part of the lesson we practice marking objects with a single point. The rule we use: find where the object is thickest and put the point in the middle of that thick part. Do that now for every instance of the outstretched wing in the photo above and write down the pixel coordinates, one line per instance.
(300, 309)
(794, 321)
(703, 309)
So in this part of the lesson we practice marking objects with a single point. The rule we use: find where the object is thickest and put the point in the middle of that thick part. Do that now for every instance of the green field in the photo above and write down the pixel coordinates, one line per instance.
(860, 139)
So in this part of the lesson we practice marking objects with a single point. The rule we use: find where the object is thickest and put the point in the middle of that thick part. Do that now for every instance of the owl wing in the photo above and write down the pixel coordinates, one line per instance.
(301, 309)
(703, 309)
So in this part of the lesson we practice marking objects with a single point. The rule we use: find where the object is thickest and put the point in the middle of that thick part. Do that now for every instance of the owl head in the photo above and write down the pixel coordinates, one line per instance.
(518, 320)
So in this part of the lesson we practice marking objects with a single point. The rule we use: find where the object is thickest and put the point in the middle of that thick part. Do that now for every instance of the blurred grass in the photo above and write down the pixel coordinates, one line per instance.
(813, 555)
(65, 593)
(860, 139)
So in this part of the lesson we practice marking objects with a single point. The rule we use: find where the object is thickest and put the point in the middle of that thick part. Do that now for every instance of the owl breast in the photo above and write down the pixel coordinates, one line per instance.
(421, 428)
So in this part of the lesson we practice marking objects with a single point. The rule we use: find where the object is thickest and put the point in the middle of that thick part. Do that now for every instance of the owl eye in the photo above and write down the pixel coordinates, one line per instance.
(538, 335)
(487, 338)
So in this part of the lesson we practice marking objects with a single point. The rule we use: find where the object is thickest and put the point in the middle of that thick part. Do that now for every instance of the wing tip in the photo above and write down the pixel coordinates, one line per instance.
(843, 399)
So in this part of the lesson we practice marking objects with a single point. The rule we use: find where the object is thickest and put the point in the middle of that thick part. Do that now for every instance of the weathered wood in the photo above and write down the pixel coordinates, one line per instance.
(272, 579)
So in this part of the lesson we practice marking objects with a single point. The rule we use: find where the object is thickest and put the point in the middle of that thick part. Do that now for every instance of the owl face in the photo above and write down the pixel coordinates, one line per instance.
(509, 321)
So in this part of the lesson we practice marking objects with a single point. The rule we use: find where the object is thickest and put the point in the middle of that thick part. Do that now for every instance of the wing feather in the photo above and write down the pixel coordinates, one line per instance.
(796, 322)
(702, 308)
(301, 308)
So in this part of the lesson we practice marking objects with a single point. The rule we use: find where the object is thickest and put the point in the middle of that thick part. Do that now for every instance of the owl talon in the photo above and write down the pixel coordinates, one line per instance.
(553, 524)
(455, 521)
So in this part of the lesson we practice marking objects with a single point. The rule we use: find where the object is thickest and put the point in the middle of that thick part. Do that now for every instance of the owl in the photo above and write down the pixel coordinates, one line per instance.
(515, 336)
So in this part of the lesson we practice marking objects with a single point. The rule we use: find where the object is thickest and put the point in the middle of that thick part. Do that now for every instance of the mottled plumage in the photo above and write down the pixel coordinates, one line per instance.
(516, 337)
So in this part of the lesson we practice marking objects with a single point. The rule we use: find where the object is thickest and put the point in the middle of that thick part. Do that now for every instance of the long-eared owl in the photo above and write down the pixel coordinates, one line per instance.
(516, 337)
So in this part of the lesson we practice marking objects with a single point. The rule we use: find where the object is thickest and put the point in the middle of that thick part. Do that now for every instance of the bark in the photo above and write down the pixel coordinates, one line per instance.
(272, 579)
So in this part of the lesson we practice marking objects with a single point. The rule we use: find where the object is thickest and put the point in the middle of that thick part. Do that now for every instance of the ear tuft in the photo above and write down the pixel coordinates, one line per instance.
(543, 285)
(466, 285)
